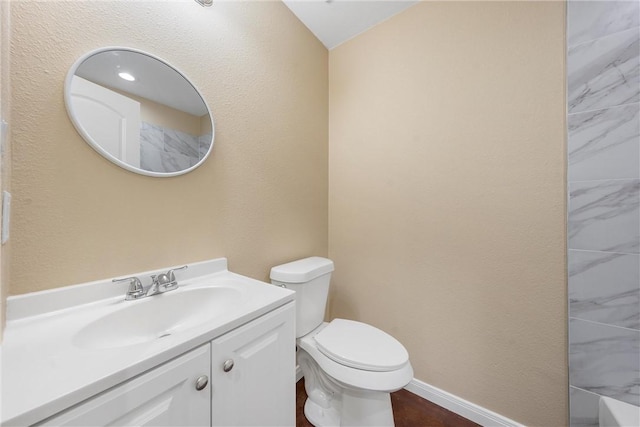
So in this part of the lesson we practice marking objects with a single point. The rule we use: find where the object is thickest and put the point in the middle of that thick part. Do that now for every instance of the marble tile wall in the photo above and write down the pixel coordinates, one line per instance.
(603, 104)
(169, 150)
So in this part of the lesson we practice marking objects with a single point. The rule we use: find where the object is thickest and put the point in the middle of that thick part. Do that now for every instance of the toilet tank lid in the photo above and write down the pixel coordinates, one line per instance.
(302, 270)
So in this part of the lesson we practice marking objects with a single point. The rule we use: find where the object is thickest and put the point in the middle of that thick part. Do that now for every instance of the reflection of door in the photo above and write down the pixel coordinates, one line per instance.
(110, 119)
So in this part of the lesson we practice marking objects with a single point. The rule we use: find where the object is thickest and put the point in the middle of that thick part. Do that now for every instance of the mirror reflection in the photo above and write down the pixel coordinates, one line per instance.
(139, 112)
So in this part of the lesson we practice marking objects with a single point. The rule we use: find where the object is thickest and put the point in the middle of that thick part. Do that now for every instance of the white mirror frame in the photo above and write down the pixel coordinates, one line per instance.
(85, 135)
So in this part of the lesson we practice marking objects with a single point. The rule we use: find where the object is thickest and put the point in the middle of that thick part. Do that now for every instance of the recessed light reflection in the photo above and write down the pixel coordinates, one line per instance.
(126, 76)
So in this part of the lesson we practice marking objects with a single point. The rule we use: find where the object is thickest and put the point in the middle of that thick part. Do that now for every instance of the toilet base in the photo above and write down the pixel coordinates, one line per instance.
(333, 404)
(359, 408)
(366, 408)
(319, 416)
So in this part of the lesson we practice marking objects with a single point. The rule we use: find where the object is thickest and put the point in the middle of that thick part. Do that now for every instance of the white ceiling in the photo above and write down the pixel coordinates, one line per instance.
(155, 80)
(336, 21)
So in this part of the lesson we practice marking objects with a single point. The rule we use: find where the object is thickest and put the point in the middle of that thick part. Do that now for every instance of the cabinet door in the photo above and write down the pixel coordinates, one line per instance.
(259, 389)
(164, 396)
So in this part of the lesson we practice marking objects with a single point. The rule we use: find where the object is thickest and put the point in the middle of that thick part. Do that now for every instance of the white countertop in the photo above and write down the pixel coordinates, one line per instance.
(43, 372)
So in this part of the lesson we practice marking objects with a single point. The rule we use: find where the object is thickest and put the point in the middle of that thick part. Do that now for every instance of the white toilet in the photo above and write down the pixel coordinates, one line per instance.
(349, 367)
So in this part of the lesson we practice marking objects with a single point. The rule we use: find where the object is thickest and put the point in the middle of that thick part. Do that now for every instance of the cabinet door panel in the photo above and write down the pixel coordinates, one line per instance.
(164, 396)
(260, 388)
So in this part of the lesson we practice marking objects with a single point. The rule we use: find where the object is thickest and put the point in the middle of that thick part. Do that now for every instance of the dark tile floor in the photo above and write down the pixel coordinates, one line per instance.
(409, 410)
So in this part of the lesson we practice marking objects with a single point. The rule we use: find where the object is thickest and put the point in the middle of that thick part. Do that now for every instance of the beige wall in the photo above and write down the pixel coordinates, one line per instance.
(261, 197)
(165, 116)
(5, 149)
(446, 177)
(206, 127)
(447, 197)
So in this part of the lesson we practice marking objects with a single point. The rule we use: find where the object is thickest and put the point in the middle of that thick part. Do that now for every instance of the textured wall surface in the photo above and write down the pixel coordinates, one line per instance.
(261, 197)
(603, 70)
(447, 197)
(5, 148)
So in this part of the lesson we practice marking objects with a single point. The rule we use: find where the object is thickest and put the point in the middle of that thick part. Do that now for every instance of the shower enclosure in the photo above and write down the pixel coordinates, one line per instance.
(603, 119)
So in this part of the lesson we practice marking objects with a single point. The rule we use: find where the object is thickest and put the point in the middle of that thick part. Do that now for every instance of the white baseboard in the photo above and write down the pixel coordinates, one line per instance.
(457, 405)
(453, 403)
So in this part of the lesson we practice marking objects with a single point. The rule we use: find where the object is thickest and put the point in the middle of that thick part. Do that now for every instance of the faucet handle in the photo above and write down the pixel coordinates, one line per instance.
(162, 279)
(135, 287)
(172, 277)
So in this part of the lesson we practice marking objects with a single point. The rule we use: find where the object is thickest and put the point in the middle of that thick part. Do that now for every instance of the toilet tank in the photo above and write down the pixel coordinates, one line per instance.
(309, 278)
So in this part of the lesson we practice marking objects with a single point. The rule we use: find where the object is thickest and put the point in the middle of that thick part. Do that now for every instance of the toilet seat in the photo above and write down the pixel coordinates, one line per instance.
(384, 381)
(361, 346)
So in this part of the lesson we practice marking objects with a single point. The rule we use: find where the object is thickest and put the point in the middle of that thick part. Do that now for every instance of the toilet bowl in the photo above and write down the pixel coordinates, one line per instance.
(350, 368)
(341, 393)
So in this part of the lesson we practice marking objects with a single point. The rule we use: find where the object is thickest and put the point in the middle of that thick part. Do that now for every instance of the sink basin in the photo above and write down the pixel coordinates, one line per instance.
(157, 317)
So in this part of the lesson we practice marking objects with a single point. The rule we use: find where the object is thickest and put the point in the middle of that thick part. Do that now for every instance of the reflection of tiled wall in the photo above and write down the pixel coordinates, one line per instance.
(603, 67)
(169, 150)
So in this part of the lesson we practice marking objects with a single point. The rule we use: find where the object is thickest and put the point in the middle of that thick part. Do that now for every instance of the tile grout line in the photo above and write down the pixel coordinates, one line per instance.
(603, 252)
(636, 28)
(605, 324)
(603, 108)
(604, 179)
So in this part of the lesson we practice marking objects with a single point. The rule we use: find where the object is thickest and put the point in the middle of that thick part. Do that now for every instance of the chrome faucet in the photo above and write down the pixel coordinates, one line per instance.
(160, 283)
(135, 290)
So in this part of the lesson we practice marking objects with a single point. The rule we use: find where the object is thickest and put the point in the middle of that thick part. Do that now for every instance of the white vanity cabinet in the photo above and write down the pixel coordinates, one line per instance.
(250, 373)
(164, 396)
(253, 372)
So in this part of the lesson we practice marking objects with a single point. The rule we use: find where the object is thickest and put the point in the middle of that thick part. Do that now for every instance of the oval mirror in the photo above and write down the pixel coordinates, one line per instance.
(139, 112)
